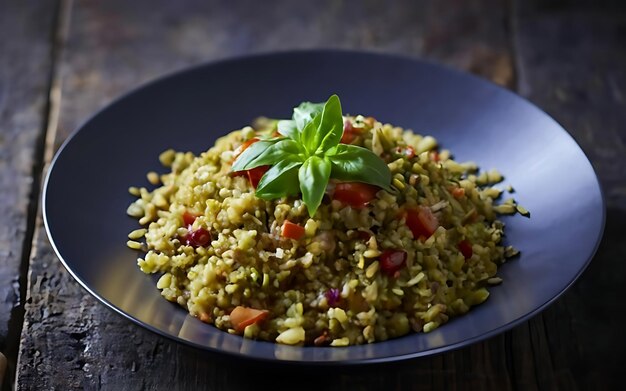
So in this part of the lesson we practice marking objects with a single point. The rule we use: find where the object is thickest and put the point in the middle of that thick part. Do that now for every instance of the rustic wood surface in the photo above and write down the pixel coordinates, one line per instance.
(566, 56)
(24, 84)
(572, 58)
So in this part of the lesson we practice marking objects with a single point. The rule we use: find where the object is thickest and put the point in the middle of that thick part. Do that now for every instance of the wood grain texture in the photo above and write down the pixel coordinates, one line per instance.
(572, 63)
(577, 74)
(25, 64)
(115, 45)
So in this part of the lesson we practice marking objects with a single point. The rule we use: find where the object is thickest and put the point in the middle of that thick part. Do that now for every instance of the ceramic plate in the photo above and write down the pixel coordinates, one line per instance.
(85, 197)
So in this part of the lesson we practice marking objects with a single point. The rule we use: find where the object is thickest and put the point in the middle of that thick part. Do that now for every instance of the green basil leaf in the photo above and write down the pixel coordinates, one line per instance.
(332, 151)
(357, 164)
(330, 128)
(305, 113)
(313, 176)
(279, 181)
(307, 138)
(252, 152)
(307, 153)
(325, 129)
(283, 149)
(289, 129)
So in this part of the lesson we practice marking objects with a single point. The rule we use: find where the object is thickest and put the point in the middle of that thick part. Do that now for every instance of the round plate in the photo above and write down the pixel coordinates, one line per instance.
(85, 196)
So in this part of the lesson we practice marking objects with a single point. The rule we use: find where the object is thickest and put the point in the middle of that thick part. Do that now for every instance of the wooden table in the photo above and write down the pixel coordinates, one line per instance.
(61, 60)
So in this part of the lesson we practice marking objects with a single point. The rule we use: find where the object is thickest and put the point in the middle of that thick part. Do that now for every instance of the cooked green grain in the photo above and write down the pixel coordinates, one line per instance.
(430, 326)
(153, 178)
(371, 269)
(505, 209)
(138, 233)
(167, 157)
(523, 211)
(248, 263)
(133, 244)
(371, 253)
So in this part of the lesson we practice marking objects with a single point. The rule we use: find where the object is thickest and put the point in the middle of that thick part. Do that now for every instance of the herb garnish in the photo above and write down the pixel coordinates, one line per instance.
(308, 153)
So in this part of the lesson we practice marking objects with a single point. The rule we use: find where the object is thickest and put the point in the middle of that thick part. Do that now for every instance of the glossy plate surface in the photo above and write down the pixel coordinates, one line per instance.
(85, 196)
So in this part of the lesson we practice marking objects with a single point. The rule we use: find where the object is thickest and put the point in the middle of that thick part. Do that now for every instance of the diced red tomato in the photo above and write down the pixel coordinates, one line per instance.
(466, 249)
(189, 218)
(434, 156)
(458, 192)
(292, 231)
(238, 173)
(421, 221)
(355, 194)
(347, 137)
(349, 132)
(392, 261)
(244, 146)
(322, 340)
(255, 174)
(363, 235)
(200, 237)
(197, 238)
(242, 317)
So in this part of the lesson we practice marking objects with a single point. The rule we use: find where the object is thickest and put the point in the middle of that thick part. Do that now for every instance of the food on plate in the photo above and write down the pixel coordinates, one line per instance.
(324, 230)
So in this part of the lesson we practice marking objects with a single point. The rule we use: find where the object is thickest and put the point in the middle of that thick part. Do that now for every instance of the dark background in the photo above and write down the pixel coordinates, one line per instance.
(61, 60)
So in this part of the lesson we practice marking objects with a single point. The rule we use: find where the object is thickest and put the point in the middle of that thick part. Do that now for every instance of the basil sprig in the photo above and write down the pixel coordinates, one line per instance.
(308, 153)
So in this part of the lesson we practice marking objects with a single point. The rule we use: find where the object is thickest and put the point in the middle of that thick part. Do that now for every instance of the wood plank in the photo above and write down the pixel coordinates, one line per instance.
(25, 61)
(577, 74)
(572, 63)
(115, 45)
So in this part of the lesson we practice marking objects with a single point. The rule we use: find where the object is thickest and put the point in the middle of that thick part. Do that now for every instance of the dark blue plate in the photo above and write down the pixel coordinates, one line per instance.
(86, 196)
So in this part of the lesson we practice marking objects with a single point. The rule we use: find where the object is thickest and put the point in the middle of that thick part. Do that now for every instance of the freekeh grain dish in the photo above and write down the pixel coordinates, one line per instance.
(357, 231)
